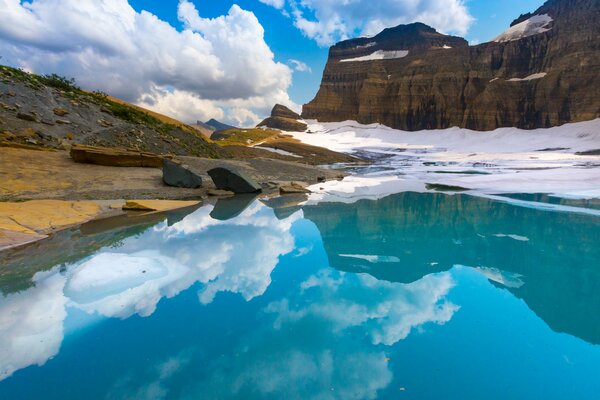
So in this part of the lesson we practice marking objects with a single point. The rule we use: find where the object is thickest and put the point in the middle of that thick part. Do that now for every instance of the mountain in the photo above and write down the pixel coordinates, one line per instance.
(543, 71)
(52, 112)
(218, 126)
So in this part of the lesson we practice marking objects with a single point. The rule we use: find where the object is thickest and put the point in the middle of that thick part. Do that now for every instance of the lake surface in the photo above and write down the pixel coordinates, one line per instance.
(415, 295)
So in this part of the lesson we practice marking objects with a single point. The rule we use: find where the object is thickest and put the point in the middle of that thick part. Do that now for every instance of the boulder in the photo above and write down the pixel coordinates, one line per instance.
(61, 112)
(230, 179)
(115, 157)
(25, 116)
(283, 111)
(179, 175)
(284, 124)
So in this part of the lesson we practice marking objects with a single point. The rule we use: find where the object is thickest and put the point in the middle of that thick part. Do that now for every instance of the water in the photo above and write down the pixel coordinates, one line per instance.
(411, 296)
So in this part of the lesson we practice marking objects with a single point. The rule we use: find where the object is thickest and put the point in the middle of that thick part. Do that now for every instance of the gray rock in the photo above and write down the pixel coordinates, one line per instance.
(179, 175)
(27, 116)
(228, 178)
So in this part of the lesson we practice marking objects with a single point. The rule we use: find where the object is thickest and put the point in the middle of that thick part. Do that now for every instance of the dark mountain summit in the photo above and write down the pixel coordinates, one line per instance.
(217, 125)
(543, 71)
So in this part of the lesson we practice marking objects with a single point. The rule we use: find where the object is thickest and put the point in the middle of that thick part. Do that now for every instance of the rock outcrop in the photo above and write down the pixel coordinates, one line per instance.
(179, 175)
(64, 115)
(114, 157)
(284, 119)
(284, 112)
(544, 71)
(233, 180)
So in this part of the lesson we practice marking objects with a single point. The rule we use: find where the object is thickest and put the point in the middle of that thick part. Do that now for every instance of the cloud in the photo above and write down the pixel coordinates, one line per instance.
(299, 66)
(218, 67)
(31, 324)
(309, 344)
(387, 311)
(236, 256)
(278, 4)
(329, 21)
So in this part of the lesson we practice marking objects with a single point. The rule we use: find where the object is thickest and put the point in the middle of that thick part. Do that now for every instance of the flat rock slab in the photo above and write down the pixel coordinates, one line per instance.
(234, 180)
(28, 221)
(157, 205)
(114, 157)
(179, 175)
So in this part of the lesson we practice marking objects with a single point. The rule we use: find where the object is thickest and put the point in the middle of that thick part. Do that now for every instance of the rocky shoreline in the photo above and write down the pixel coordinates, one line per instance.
(44, 192)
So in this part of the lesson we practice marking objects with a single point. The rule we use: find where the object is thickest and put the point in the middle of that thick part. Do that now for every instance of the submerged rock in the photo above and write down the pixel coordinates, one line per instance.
(228, 178)
(179, 175)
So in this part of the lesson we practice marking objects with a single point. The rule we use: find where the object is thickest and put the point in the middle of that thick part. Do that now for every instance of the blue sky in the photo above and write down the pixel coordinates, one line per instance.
(287, 42)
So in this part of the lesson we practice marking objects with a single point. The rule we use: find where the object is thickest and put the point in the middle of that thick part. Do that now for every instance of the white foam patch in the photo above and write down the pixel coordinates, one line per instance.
(508, 279)
(512, 236)
(372, 258)
(533, 26)
(379, 55)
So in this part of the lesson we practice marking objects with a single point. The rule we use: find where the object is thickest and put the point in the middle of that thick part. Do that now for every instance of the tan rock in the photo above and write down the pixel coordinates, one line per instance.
(293, 188)
(157, 205)
(116, 157)
(44, 216)
(61, 112)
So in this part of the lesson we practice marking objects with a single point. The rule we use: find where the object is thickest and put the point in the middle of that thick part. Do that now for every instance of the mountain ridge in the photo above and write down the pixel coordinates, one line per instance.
(546, 76)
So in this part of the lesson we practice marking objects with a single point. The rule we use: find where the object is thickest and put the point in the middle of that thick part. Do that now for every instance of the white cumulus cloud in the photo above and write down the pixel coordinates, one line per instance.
(218, 67)
(328, 21)
(299, 66)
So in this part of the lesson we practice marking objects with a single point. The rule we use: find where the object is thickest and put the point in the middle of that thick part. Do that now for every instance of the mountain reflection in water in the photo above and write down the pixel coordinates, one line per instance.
(239, 300)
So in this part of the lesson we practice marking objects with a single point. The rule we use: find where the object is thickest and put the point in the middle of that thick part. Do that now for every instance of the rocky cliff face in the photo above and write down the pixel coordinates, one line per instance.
(544, 71)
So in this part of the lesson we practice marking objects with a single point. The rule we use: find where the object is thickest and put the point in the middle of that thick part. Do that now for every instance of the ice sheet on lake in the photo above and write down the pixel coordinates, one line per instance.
(506, 160)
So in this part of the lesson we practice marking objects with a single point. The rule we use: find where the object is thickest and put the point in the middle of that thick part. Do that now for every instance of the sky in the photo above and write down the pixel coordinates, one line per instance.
(226, 59)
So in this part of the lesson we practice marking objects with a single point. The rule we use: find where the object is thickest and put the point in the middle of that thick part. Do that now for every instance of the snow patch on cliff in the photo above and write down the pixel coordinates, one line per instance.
(379, 55)
(528, 78)
(532, 26)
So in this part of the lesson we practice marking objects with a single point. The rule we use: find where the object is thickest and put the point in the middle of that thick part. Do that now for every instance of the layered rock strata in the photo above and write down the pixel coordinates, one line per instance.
(543, 71)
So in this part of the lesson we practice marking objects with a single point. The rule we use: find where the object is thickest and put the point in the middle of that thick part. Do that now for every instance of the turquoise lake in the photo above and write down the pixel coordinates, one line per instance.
(413, 296)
